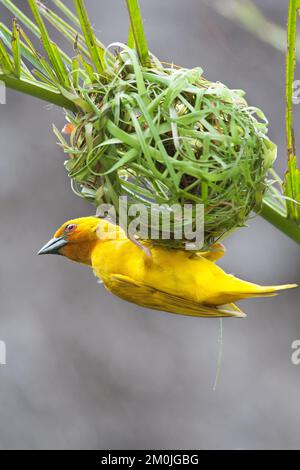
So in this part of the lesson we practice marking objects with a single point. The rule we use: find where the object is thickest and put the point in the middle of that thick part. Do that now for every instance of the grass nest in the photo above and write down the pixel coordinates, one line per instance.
(166, 135)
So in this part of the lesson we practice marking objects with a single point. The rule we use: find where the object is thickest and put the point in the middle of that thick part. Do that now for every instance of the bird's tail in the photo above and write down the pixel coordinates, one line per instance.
(236, 290)
(232, 310)
(265, 291)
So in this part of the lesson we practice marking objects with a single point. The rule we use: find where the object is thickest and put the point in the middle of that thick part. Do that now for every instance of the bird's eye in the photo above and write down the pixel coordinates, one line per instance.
(70, 228)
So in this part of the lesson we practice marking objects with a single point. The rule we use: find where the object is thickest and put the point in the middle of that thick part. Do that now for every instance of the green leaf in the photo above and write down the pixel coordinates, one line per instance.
(130, 40)
(81, 103)
(87, 67)
(69, 33)
(97, 53)
(5, 60)
(291, 185)
(292, 189)
(21, 16)
(73, 18)
(49, 46)
(38, 90)
(290, 71)
(75, 71)
(280, 221)
(30, 25)
(6, 35)
(62, 7)
(35, 58)
(138, 32)
(16, 48)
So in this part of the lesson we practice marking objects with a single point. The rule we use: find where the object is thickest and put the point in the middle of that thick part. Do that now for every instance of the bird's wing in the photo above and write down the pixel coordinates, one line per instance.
(149, 297)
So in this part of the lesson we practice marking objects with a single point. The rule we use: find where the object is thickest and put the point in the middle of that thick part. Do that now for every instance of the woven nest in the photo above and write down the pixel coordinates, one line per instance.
(166, 135)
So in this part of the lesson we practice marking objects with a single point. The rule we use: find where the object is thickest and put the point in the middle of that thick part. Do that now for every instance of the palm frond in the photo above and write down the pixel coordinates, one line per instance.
(137, 32)
(291, 185)
(65, 81)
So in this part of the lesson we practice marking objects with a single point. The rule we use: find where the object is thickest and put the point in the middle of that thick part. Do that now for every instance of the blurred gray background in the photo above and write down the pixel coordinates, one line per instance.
(86, 370)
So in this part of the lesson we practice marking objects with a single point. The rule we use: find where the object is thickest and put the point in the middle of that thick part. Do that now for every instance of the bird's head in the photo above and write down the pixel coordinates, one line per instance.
(76, 238)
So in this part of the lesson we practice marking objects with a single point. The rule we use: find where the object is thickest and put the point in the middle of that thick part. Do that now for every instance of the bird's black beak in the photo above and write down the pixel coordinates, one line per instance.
(53, 246)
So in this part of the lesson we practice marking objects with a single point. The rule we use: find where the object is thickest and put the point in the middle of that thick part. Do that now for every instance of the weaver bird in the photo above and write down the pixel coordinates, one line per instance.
(171, 280)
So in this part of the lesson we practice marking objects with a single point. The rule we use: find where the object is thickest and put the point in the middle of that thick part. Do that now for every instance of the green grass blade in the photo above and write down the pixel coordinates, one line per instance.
(67, 12)
(69, 33)
(292, 179)
(50, 48)
(290, 71)
(77, 100)
(6, 36)
(130, 39)
(76, 21)
(97, 53)
(16, 48)
(156, 137)
(63, 72)
(138, 31)
(37, 60)
(38, 90)
(292, 189)
(42, 77)
(89, 70)
(280, 221)
(6, 64)
(30, 25)
(75, 72)
(21, 16)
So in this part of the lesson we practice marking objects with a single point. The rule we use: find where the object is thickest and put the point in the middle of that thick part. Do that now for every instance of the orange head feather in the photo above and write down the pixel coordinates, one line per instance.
(76, 238)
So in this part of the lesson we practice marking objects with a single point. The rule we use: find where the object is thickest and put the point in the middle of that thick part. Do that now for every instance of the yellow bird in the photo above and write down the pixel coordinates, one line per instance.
(156, 277)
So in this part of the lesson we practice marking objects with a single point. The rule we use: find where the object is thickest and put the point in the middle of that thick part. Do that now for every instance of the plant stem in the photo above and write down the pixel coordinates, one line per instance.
(97, 53)
(38, 91)
(138, 32)
(292, 177)
(290, 73)
(281, 222)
